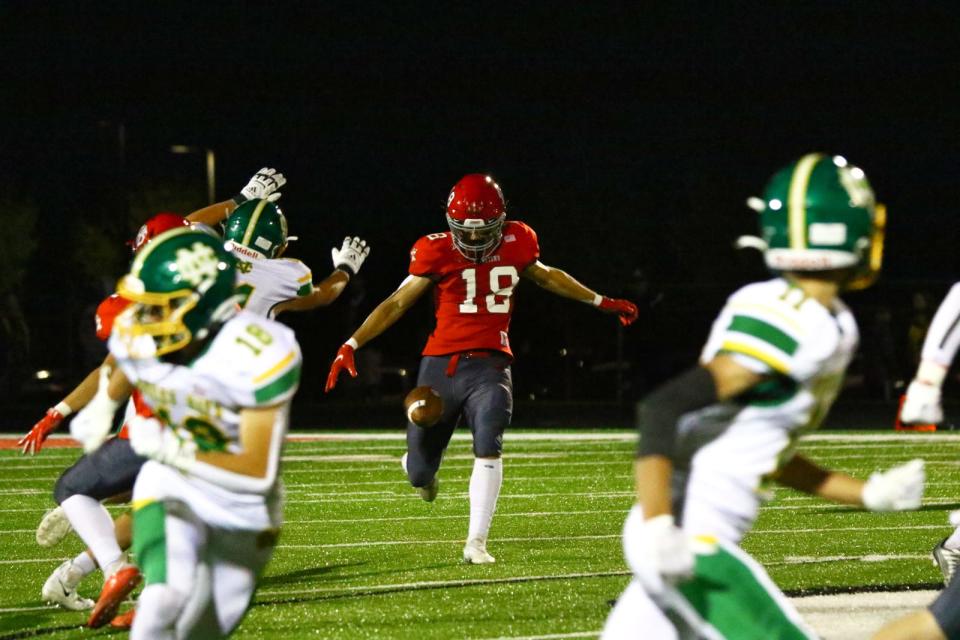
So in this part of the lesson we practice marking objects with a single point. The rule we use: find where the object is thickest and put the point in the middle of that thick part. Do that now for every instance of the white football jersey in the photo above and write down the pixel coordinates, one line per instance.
(266, 282)
(251, 362)
(727, 451)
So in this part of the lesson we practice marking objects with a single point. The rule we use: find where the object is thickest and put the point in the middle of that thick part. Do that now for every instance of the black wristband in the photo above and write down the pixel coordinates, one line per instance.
(661, 410)
(239, 199)
(346, 269)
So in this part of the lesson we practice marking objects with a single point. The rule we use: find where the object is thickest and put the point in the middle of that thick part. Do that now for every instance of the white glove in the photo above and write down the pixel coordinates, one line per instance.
(922, 404)
(657, 551)
(896, 489)
(351, 255)
(149, 439)
(92, 424)
(264, 184)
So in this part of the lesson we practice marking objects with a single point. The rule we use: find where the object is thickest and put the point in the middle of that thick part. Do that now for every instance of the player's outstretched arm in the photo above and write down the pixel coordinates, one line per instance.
(264, 184)
(323, 294)
(897, 489)
(563, 284)
(77, 399)
(347, 261)
(380, 319)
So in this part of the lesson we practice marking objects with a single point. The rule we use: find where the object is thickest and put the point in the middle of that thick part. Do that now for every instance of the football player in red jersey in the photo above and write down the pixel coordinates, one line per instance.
(473, 270)
(110, 471)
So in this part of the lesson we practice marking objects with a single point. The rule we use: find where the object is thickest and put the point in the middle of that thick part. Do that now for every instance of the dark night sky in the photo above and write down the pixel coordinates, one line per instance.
(627, 134)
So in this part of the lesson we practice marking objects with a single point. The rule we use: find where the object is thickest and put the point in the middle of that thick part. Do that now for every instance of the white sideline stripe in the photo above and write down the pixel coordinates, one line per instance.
(866, 558)
(71, 455)
(545, 514)
(296, 486)
(515, 496)
(373, 588)
(363, 457)
(462, 516)
(54, 560)
(51, 607)
(393, 543)
(914, 527)
(626, 462)
(880, 437)
(553, 636)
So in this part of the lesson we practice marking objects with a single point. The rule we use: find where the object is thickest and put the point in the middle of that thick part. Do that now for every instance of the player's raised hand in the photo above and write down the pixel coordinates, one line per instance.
(896, 489)
(626, 310)
(351, 255)
(344, 360)
(922, 404)
(657, 551)
(264, 184)
(33, 441)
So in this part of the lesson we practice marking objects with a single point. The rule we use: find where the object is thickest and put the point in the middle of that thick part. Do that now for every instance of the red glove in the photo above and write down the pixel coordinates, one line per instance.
(33, 441)
(344, 360)
(624, 308)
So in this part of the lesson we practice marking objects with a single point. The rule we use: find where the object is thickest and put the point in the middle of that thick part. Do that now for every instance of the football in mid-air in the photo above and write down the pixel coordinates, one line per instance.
(424, 407)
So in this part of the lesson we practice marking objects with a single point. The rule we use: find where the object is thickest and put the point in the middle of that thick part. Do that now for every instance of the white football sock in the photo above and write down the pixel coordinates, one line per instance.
(94, 525)
(484, 489)
(953, 542)
(84, 564)
(158, 609)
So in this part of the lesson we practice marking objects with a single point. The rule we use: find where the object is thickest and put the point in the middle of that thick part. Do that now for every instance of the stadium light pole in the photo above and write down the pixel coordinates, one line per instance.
(211, 161)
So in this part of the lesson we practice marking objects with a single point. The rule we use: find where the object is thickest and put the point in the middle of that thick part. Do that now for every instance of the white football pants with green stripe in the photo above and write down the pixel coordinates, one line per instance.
(730, 597)
(200, 579)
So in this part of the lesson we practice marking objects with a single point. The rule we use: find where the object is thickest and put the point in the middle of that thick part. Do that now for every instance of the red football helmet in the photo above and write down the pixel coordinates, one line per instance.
(476, 211)
(155, 226)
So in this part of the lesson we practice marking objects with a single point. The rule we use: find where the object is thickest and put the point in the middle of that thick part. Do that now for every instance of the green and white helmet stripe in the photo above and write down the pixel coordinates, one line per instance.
(258, 225)
(819, 213)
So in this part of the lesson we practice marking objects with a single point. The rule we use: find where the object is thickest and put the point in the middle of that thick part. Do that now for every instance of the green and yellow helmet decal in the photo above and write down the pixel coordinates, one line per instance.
(180, 284)
(818, 214)
(258, 225)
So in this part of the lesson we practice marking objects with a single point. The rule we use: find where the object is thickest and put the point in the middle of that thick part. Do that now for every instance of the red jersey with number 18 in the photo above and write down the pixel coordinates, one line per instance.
(473, 301)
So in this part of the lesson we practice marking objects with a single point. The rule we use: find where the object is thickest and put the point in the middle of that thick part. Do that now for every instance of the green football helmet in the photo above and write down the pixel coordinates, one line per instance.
(180, 284)
(820, 214)
(257, 225)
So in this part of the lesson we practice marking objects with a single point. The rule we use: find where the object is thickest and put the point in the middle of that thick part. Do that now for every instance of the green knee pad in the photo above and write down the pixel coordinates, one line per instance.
(150, 541)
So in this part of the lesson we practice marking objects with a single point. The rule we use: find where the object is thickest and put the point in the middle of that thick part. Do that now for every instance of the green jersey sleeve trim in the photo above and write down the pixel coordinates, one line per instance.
(278, 387)
(305, 290)
(764, 331)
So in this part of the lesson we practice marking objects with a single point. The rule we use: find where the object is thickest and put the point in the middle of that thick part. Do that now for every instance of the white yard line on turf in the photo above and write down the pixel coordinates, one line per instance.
(394, 543)
(869, 558)
(50, 607)
(460, 516)
(518, 496)
(912, 527)
(553, 636)
(881, 437)
(435, 584)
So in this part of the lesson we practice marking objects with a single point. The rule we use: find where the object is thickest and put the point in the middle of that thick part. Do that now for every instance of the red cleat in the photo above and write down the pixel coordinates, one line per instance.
(115, 591)
(124, 620)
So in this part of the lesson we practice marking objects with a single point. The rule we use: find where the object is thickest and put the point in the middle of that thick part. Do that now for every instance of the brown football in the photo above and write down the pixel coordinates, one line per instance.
(424, 407)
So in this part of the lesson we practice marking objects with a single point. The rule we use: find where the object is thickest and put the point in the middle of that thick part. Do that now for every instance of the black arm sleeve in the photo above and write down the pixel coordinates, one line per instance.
(661, 410)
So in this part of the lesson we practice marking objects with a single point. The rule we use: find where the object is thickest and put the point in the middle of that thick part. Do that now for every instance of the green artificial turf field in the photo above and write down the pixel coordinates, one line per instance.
(361, 556)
